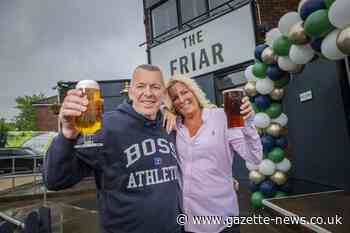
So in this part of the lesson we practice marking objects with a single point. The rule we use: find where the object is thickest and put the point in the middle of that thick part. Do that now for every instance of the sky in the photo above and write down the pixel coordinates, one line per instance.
(45, 41)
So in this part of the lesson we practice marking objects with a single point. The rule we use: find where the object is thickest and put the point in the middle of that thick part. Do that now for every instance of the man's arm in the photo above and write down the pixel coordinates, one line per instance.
(62, 167)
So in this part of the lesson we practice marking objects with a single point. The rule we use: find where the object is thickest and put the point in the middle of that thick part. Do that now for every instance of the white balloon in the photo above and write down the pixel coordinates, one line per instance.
(264, 85)
(284, 165)
(282, 119)
(272, 35)
(339, 13)
(286, 64)
(301, 54)
(251, 166)
(301, 3)
(329, 46)
(287, 21)
(267, 167)
(262, 120)
(248, 73)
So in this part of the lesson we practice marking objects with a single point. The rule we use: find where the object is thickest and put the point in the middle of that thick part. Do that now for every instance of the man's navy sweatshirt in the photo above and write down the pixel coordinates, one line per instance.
(135, 171)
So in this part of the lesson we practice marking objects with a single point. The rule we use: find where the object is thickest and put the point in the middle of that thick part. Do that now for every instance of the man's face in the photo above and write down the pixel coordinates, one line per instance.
(146, 91)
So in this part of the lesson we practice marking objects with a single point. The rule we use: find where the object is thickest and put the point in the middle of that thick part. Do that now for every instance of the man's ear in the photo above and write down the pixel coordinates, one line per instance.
(130, 93)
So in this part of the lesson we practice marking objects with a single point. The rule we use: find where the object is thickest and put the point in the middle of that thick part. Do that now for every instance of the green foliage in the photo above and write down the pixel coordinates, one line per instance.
(26, 119)
(6, 126)
(16, 138)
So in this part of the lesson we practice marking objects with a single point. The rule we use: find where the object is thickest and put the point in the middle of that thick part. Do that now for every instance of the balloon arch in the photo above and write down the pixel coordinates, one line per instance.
(320, 29)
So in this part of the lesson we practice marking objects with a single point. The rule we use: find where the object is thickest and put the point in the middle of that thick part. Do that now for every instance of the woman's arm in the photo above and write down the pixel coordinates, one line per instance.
(246, 140)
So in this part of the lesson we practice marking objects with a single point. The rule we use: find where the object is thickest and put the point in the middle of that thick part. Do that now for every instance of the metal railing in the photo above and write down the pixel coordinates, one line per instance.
(15, 173)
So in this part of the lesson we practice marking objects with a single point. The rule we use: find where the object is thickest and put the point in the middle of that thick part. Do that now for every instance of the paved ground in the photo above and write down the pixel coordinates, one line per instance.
(8, 182)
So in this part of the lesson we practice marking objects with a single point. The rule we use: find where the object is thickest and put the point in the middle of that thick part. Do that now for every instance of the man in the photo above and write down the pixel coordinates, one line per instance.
(135, 170)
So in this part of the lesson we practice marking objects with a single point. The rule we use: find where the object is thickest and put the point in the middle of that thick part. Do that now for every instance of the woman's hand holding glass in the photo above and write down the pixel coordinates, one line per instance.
(246, 108)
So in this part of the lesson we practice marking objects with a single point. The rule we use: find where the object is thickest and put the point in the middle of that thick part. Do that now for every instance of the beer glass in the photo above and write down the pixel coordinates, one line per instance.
(89, 122)
(232, 106)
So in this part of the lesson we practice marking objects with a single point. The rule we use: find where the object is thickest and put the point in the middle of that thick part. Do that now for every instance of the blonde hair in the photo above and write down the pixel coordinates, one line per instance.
(193, 87)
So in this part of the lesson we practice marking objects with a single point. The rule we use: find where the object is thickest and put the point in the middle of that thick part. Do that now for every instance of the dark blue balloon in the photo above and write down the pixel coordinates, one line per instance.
(253, 187)
(286, 187)
(281, 142)
(268, 143)
(316, 44)
(262, 101)
(252, 99)
(259, 50)
(268, 188)
(310, 7)
(274, 72)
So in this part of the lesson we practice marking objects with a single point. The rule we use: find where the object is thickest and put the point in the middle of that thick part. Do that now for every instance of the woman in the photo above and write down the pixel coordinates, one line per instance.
(204, 146)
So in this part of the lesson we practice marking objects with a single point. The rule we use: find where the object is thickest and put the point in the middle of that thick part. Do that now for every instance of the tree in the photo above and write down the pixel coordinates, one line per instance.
(26, 119)
(4, 128)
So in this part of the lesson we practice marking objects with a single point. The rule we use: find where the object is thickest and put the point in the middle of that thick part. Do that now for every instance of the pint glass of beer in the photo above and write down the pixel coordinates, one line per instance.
(232, 105)
(90, 121)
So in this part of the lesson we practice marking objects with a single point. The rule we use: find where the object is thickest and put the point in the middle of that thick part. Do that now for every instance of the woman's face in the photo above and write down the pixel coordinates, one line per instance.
(184, 101)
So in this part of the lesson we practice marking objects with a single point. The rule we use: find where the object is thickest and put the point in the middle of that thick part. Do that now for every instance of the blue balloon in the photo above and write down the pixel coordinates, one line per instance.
(286, 187)
(252, 99)
(262, 101)
(268, 143)
(316, 44)
(310, 7)
(259, 50)
(274, 72)
(253, 187)
(268, 188)
(282, 142)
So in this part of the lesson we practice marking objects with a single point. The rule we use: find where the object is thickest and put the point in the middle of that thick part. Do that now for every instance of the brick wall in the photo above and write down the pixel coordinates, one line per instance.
(46, 119)
(271, 11)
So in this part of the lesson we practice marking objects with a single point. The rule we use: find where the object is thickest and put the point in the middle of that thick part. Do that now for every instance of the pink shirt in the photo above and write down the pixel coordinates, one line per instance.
(205, 162)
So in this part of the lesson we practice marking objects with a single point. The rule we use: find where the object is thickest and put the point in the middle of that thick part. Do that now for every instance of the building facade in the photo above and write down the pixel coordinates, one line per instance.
(47, 114)
(199, 38)
(213, 41)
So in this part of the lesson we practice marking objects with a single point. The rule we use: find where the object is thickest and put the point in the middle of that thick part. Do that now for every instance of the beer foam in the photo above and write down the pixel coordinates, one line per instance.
(87, 84)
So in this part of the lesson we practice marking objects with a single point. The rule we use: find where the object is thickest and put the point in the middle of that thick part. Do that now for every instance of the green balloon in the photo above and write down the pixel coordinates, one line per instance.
(280, 194)
(329, 3)
(256, 199)
(259, 69)
(255, 108)
(276, 155)
(281, 46)
(317, 24)
(282, 82)
(274, 110)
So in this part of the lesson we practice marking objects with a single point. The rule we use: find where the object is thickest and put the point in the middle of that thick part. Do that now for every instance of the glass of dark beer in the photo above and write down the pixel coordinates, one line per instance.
(90, 121)
(232, 106)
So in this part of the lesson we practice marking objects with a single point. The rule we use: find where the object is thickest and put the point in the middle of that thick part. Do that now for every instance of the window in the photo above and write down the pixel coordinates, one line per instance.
(227, 81)
(150, 3)
(164, 17)
(192, 8)
(216, 3)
